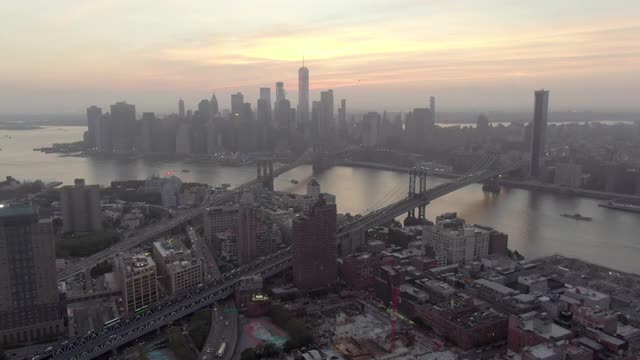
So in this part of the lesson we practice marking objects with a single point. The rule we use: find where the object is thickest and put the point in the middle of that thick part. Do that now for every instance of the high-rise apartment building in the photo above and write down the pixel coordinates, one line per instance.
(183, 138)
(371, 129)
(318, 126)
(264, 109)
(303, 95)
(179, 267)
(538, 133)
(147, 124)
(314, 247)
(105, 133)
(204, 111)
(326, 98)
(282, 115)
(123, 120)
(218, 219)
(246, 229)
(30, 306)
(137, 278)
(342, 116)
(93, 124)
(237, 105)
(461, 242)
(432, 107)
(280, 93)
(482, 125)
(181, 108)
(80, 205)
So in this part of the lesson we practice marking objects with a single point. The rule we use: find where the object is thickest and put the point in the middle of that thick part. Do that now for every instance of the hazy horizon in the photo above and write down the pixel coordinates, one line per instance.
(471, 56)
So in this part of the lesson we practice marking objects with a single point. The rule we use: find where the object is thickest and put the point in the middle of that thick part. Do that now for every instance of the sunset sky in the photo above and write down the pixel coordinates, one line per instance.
(61, 56)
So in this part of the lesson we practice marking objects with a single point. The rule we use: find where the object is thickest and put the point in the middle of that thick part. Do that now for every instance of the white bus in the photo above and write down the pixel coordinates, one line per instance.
(223, 346)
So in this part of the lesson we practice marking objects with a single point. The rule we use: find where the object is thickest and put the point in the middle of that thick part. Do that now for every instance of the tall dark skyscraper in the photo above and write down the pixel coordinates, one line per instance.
(432, 107)
(237, 105)
(314, 247)
(93, 125)
(303, 95)
(181, 108)
(538, 133)
(280, 94)
(246, 229)
(123, 122)
(214, 105)
(264, 110)
(30, 309)
(317, 123)
(342, 116)
(326, 98)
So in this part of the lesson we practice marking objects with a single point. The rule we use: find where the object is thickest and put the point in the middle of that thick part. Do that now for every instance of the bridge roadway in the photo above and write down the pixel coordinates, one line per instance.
(166, 312)
(153, 231)
(390, 212)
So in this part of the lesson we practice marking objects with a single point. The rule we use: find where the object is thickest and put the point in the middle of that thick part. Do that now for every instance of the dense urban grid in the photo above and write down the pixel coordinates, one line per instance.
(163, 266)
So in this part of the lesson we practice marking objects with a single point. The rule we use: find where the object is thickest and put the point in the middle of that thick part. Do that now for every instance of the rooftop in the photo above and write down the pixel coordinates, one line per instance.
(6, 211)
(478, 318)
(499, 288)
(169, 246)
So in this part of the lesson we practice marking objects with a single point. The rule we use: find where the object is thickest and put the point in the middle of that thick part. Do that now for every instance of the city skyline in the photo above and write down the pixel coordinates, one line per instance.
(371, 60)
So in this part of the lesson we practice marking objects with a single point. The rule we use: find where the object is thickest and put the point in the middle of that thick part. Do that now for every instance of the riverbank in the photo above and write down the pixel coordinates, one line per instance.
(521, 184)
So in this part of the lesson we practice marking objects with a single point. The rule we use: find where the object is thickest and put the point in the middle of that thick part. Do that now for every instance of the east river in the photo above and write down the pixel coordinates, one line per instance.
(532, 219)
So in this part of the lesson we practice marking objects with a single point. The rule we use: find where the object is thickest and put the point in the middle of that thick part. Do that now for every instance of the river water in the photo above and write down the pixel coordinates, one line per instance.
(532, 219)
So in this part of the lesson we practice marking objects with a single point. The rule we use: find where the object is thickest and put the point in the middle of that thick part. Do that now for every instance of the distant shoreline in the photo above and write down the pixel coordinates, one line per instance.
(6, 126)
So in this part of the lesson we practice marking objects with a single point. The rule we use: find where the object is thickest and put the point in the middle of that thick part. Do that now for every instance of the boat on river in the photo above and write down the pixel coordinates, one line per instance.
(577, 216)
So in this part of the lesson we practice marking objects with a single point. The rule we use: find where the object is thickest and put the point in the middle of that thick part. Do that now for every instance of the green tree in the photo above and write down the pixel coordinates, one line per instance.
(269, 350)
(249, 354)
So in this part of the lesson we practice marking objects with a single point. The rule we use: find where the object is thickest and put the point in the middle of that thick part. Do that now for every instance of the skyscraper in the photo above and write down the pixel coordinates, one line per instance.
(283, 114)
(214, 105)
(317, 123)
(326, 98)
(482, 126)
(80, 207)
(181, 108)
(123, 119)
(147, 125)
(265, 94)
(204, 110)
(314, 247)
(371, 129)
(246, 230)
(432, 107)
(538, 133)
(237, 105)
(30, 307)
(105, 133)
(342, 116)
(93, 124)
(280, 94)
(303, 95)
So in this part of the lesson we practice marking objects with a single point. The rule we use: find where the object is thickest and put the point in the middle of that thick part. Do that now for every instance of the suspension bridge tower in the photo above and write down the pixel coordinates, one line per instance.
(417, 176)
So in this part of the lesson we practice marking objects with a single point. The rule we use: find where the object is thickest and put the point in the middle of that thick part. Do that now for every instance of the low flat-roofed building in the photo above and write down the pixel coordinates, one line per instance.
(437, 290)
(589, 297)
(462, 323)
(534, 328)
(597, 318)
(490, 290)
(533, 283)
(628, 333)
